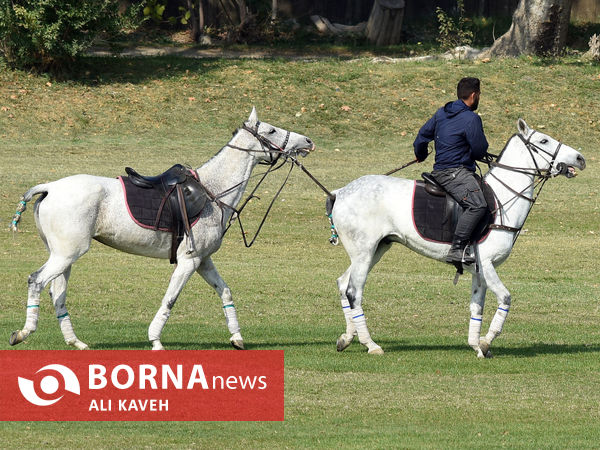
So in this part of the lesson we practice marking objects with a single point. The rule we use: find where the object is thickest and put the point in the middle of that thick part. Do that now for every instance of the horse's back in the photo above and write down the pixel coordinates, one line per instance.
(371, 191)
(375, 204)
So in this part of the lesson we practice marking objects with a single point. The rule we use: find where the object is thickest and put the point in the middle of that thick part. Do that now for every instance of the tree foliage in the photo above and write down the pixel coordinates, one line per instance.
(47, 35)
(453, 31)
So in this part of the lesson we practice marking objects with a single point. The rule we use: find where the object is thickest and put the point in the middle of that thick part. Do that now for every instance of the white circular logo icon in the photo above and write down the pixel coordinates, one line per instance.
(49, 385)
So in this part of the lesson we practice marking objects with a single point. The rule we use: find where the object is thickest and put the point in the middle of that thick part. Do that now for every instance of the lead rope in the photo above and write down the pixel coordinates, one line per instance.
(334, 239)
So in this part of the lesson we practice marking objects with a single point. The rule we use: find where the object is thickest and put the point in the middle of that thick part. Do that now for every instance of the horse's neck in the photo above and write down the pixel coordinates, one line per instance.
(515, 209)
(228, 172)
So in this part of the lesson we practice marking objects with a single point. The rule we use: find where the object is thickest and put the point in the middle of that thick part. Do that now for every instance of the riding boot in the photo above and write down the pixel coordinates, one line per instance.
(460, 253)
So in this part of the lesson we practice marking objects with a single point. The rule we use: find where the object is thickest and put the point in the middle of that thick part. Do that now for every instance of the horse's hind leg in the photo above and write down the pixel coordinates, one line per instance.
(58, 293)
(363, 259)
(55, 267)
(349, 313)
(346, 338)
(208, 271)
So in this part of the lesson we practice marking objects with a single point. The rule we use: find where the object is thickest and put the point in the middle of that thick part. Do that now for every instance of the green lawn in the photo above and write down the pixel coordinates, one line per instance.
(542, 388)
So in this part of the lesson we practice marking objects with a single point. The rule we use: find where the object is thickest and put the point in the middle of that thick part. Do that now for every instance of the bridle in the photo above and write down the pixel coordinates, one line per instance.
(540, 176)
(533, 148)
(269, 147)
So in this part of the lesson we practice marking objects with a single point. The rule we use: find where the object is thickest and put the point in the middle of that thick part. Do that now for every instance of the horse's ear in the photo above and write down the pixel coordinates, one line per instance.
(523, 127)
(253, 119)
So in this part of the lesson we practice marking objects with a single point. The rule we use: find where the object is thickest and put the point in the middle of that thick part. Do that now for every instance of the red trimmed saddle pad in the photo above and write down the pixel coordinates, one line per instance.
(435, 217)
(143, 205)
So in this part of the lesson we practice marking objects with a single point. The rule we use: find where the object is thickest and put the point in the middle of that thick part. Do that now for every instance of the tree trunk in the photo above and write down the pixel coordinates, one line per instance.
(193, 22)
(385, 22)
(201, 21)
(219, 13)
(539, 27)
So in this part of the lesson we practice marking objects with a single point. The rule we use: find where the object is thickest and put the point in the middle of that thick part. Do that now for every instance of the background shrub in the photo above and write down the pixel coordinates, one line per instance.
(47, 35)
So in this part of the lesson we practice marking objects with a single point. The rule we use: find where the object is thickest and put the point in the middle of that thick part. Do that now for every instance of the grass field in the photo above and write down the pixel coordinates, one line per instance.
(542, 388)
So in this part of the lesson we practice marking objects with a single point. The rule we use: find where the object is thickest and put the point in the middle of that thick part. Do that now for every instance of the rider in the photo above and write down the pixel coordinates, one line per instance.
(459, 141)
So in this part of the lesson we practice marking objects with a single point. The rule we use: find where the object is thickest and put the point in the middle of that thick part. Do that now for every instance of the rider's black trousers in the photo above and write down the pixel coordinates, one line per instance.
(464, 187)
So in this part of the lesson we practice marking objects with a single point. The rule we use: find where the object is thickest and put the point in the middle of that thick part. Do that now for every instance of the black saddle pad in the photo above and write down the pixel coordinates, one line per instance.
(435, 218)
(143, 205)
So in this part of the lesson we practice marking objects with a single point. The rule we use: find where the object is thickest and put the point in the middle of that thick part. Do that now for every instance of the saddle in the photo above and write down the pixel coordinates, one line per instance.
(436, 213)
(171, 201)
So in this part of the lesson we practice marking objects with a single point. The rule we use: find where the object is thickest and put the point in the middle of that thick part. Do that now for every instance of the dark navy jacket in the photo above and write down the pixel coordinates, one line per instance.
(458, 135)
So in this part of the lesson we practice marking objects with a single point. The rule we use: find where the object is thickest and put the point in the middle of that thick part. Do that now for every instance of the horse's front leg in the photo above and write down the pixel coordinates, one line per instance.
(495, 285)
(186, 266)
(478, 291)
(209, 272)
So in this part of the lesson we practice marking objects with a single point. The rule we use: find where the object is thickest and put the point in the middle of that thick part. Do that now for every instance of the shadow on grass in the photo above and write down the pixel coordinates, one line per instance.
(100, 71)
(222, 345)
(521, 352)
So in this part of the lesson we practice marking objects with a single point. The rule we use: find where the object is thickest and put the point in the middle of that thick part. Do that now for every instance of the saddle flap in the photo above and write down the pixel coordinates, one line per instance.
(195, 196)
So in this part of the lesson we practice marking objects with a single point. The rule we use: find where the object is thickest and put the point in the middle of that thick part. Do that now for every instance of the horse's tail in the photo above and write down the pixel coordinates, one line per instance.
(39, 189)
(334, 239)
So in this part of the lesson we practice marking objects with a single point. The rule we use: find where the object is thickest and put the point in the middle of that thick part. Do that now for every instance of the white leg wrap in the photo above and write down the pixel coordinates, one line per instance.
(158, 323)
(33, 313)
(497, 322)
(231, 318)
(475, 330)
(67, 328)
(360, 323)
(350, 328)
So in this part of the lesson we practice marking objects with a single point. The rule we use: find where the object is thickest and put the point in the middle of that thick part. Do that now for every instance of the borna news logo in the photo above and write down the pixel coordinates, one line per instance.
(112, 385)
(49, 385)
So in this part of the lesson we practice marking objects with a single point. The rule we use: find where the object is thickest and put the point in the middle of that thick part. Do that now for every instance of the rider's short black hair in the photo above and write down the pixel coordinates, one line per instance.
(466, 87)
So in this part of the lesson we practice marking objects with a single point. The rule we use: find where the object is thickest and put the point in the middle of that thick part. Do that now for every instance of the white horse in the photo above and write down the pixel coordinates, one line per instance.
(74, 210)
(374, 211)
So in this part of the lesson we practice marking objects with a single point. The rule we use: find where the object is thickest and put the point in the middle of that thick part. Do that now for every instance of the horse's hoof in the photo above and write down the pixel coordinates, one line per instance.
(238, 344)
(81, 345)
(15, 338)
(484, 346)
(376, 351)
(343, 342)
(78, 344)
(156, 345)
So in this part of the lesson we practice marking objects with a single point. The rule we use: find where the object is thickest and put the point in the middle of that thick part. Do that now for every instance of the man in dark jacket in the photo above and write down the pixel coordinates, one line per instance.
(459, 142)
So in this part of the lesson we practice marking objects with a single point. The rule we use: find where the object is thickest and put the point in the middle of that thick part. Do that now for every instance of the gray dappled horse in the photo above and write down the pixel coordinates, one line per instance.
(72, 211)
(374, 211)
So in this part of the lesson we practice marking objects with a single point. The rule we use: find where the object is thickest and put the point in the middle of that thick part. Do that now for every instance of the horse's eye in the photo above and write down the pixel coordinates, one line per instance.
(544, 141)
(272, 131)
